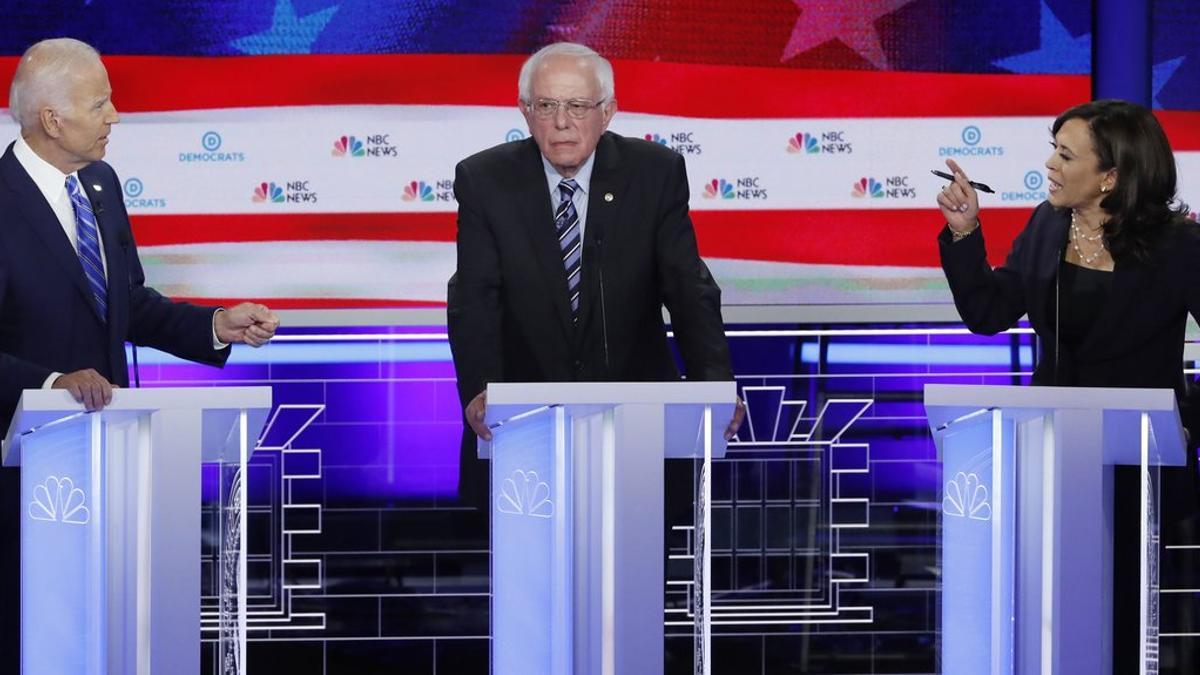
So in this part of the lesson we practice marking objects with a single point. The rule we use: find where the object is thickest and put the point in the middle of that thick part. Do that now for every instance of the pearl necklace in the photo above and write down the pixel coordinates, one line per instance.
(1077, 234)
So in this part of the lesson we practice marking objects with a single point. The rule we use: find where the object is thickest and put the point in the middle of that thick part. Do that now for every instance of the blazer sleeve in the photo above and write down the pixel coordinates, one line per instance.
(473, 309)
(690, 293)
(988, 300)
(16, 374)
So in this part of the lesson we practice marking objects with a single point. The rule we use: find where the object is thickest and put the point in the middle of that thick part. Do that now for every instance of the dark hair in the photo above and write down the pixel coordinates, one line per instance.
(1143, 205)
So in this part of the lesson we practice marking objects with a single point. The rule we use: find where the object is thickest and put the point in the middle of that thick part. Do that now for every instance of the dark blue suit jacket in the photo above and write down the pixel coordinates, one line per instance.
(48, 324)
(47, 320)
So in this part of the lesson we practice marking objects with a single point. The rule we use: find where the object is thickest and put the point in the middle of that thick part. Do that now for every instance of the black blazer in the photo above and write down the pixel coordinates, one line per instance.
(47, 320)
(1137, 341)
(507, 306)
(508, 312)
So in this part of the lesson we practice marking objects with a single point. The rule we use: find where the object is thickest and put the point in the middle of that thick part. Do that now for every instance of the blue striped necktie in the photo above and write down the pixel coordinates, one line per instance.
(88, 242)
(566, 222)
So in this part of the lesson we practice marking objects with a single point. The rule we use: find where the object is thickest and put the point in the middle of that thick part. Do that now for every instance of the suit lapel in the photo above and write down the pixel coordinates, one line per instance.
(37, 213)
(538, 218)
(606, 197)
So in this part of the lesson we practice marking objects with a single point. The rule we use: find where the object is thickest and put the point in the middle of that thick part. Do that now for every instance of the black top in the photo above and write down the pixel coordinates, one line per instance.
(1082, 294)
(1136, 335)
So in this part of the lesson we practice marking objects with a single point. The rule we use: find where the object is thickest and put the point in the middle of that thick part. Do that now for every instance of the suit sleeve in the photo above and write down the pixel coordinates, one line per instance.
(179, 328)
(473, 308)
(689, 291)
(16, 374)
(988, 300)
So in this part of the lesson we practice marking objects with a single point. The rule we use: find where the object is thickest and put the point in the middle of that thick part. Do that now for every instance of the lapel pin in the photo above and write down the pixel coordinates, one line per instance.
(608, 196)
(97, 188)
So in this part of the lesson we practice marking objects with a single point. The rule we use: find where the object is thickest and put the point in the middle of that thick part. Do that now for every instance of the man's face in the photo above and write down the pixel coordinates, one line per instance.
(83, 126)
(566, 141)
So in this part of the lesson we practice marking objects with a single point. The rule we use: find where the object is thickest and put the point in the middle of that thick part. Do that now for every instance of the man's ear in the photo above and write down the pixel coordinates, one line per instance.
(51, 124)
(609, 109)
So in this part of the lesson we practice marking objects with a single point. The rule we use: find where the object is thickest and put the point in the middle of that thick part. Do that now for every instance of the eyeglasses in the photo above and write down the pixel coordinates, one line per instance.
(577, 108)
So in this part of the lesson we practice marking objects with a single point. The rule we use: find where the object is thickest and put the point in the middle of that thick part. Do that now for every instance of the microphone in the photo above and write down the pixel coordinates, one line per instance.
(126, 243)
(597, 258)
(603, 310)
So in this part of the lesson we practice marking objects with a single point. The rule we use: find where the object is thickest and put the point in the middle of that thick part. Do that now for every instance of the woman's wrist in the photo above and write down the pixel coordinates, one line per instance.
(959, 235)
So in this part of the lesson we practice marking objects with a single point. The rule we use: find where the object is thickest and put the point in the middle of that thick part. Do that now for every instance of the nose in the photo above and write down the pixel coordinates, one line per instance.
(113, 117)
(561, 120)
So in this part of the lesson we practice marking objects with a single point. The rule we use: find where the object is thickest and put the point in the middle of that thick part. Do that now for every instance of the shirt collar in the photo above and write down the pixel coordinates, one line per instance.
(50, 181)
(583, 176)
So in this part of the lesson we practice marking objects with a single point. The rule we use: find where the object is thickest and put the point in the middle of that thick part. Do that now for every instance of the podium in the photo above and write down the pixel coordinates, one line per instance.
(1027, 522)
(111, 522)
(578, 520)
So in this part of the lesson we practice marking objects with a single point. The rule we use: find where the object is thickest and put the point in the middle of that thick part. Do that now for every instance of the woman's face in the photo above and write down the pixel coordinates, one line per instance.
(1073, 169)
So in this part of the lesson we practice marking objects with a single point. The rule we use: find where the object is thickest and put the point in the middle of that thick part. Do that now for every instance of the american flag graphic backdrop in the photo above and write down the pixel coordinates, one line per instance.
(301, 151)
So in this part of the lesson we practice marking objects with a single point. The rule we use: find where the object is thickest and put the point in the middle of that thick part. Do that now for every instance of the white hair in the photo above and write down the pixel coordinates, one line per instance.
(601, 68)
(42, 76)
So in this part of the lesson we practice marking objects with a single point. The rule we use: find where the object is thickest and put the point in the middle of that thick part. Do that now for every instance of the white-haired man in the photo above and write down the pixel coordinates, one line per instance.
(569, 245)
(71, 287)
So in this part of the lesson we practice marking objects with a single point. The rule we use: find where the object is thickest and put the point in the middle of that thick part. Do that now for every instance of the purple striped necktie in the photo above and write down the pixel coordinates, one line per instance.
(88, 242)
(570, 243)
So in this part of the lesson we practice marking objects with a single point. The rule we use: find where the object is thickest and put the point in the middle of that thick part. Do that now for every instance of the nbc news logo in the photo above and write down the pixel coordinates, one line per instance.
(891, 187)
(373, 145)
(748, 187)
(825, 143)
(420, 191)
(289, 192)
(683, 142)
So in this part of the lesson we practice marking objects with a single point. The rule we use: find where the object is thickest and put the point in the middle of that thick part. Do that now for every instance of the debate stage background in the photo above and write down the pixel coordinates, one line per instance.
(300, 152)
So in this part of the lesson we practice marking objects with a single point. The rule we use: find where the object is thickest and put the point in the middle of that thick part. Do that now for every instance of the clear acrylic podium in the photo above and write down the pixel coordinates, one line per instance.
(111, 527)
(578, 523)
(1027, 522)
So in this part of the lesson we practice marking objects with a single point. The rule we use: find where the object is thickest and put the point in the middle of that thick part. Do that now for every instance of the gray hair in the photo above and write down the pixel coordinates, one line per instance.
(600, 67)
(41, 75)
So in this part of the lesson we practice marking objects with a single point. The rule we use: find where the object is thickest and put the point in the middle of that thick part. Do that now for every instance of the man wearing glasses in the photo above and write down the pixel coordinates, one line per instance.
(569, 245)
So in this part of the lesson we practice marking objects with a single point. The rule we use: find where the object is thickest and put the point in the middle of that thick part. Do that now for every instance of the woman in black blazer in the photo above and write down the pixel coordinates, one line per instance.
(1106, 270)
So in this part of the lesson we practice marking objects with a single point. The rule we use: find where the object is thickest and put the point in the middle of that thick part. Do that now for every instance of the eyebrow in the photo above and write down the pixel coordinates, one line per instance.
(1064, 147)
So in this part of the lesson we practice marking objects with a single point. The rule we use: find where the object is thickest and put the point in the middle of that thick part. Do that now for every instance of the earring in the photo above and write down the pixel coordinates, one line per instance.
(1104, 188)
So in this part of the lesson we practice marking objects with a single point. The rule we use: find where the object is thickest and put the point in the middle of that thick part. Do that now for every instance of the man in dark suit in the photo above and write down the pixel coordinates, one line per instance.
(71, 287)
(569, 246)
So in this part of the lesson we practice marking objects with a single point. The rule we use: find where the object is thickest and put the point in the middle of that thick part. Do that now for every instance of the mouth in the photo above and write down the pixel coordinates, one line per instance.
(1054, 186)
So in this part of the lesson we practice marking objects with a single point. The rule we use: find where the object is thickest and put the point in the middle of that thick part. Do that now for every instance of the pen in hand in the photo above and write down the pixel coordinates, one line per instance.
(978, 186)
